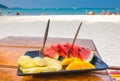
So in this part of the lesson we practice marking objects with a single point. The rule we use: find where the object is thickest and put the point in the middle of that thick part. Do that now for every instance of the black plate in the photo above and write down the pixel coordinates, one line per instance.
(97, 62)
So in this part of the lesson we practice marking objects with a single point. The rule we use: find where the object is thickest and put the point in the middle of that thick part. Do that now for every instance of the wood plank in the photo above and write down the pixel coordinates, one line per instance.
(10, 55)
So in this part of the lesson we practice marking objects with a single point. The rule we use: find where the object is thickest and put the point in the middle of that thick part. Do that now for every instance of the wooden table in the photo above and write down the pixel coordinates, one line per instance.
(11, 48)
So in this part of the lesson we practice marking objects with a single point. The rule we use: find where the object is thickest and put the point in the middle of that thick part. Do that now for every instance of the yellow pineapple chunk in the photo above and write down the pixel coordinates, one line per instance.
(33, 69)
(39, 61)
(26, 62)
(54, 65)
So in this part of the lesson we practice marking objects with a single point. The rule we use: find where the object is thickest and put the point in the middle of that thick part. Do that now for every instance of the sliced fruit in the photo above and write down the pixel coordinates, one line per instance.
(39, 61)
(76, 65)
(62, 54)
(62, 48)
(79, 65)
(53, 65)
(55, 50)
(68, 45)
(87, 65)
(26, 62)
(54, 47)
(75, 51)
(33, 69)
(67, 61)
(37, 64)
(77, 59)
(86, 55)
(50, 52)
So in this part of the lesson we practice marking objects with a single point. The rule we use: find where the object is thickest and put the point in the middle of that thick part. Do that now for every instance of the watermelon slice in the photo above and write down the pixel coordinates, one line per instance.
(61, 50)
(85, 54)
(50, 52)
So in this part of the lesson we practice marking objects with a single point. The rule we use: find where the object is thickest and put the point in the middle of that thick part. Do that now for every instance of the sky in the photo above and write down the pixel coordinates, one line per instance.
(62, 3)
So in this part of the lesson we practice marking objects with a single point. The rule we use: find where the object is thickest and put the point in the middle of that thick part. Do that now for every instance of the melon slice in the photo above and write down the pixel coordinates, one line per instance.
(50, 52)
(86, 55)
(61, 50)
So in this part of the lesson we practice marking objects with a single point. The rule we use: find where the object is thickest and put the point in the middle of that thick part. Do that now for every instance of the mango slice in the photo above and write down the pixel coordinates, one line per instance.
(67, 61)
(76, 65)
(79, 65)
(87, 65)
(77, 59)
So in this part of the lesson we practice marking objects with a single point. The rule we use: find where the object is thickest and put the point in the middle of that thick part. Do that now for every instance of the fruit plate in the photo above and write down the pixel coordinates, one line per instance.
(96, 61)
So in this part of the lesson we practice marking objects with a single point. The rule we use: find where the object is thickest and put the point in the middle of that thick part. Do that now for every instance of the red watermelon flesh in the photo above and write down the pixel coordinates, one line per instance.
(85, 54)
(68, 45)
(50, 52)
(55, 50)
(62, 48)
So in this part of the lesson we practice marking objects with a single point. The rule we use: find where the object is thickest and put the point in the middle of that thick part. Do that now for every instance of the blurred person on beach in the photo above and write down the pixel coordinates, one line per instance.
(109, 12)
(42, 14)
(17, 13)
(0, 12)
(103, 12)
(91, 13)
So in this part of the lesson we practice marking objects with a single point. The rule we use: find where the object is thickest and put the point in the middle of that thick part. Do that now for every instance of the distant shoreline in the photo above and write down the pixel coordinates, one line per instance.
(60, 11)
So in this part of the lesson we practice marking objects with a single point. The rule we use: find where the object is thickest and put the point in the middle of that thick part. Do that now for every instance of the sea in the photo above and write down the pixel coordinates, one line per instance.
(56, 11)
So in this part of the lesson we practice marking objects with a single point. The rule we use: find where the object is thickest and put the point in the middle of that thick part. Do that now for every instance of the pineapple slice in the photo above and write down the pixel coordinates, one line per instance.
(54, 65)
(39, 61)
(33, 69)
(37, 64)
(26, 62)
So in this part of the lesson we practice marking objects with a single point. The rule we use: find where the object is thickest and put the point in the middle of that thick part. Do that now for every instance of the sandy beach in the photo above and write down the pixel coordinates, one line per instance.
(103, 30)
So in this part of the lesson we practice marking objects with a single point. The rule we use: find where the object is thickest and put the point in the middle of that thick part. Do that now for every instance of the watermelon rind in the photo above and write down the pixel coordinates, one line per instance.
(90, 57)
(56, 56)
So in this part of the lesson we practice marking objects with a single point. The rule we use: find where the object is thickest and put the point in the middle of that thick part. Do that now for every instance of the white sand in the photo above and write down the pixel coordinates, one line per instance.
(103, 30)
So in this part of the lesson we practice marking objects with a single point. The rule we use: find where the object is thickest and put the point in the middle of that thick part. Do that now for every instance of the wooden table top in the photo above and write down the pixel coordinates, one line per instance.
(11, 48)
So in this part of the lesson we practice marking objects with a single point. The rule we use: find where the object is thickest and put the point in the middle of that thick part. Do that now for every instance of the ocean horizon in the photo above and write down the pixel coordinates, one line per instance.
(56, 11)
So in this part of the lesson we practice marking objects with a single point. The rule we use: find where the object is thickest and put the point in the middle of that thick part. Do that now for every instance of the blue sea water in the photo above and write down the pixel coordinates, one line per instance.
(56, 11)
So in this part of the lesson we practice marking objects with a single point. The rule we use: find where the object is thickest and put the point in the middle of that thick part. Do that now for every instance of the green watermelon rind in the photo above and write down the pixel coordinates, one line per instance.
(56, 56)
(91, 57)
